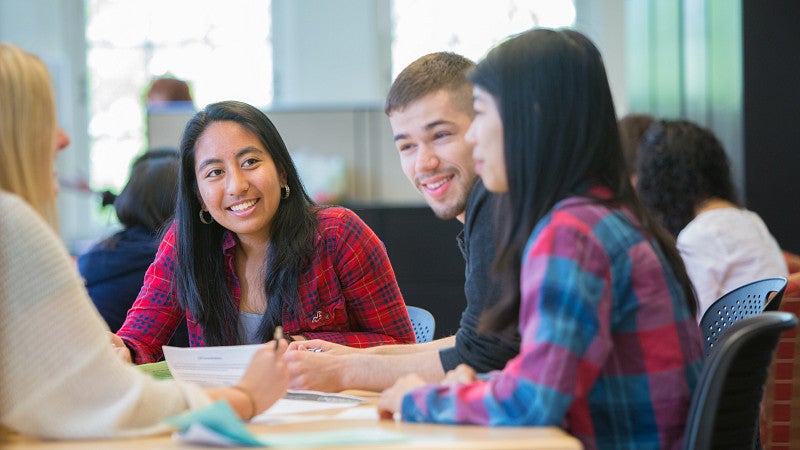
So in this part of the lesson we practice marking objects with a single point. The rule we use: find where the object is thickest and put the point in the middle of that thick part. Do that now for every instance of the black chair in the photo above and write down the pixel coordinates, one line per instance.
(725, 407)
(744, 301)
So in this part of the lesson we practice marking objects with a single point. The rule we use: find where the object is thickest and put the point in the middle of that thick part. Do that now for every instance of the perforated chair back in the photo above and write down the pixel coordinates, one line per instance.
(742, 302)
(725, 406)
(423, 322)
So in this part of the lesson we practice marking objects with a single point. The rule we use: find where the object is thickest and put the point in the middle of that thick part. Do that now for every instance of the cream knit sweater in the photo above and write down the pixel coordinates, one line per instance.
(59, 376)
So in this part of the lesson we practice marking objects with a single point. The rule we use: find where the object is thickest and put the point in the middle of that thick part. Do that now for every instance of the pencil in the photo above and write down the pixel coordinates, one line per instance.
(278, 335)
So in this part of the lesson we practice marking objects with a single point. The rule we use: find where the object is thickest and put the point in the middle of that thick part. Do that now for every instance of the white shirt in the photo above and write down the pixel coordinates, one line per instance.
(59, 376)
(725, 248)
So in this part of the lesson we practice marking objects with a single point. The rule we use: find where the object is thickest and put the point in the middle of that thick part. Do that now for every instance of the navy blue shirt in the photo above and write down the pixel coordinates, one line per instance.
(113, 271)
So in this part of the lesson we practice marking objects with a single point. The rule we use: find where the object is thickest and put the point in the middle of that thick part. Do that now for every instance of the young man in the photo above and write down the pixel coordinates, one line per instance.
(430, 109)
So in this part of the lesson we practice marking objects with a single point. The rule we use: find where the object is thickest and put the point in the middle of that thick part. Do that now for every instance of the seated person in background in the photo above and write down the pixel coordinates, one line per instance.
(631, 129)
(610, 349)
(685, 180)
(60, 378)
(114, 268)
(430, 108)
(249, 250)
(168, 92)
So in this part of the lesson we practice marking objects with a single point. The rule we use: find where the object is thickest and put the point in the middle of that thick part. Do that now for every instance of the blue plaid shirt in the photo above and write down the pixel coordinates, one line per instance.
(610, 351)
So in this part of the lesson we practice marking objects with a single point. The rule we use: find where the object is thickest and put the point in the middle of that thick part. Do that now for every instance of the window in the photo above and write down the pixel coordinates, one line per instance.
(468, 28)
(200, 41)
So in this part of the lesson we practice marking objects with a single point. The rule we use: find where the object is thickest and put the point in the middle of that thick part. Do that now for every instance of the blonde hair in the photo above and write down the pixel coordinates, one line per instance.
(28, 130)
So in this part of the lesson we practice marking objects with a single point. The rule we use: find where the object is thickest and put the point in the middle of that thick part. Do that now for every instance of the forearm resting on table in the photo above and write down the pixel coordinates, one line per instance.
(412, 348)
(378, 372)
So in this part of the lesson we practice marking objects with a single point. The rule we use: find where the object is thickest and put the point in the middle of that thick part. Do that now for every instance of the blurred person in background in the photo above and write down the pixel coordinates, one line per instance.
(684, 178)
(166, 92)
(114, 268)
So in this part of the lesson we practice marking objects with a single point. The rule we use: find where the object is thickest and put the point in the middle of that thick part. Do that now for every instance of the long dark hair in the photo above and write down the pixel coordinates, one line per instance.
(148, 198)
(682, 164)
(200, 266)
(560, 133)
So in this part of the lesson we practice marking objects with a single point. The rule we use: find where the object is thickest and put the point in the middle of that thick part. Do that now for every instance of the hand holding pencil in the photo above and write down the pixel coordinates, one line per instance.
(278, 336)
(264, 381)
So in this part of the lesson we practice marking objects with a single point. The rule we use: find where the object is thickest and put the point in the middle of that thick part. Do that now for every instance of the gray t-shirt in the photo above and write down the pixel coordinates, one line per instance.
(477, 243)
(248, 327)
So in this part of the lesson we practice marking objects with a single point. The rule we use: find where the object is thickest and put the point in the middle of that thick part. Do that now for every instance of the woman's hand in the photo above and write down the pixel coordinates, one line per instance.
(262, 384)
(391, 399)
(266, 377)
(122, 350)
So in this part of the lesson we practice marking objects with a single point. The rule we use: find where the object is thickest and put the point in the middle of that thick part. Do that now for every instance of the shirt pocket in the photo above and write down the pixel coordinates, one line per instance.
(325, 315)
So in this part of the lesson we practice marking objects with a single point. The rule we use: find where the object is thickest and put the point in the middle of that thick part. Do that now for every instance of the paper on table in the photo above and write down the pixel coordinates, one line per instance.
(209, 366)
(224, 366)
(217, 425)
(298, 402)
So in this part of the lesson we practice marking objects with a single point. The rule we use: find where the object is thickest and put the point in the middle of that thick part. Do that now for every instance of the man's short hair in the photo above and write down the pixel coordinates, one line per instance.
(428, 74)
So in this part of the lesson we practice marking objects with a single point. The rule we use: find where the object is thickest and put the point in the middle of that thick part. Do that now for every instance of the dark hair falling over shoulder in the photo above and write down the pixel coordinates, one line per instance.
(560, 133)
(200, 266)
(681, 165)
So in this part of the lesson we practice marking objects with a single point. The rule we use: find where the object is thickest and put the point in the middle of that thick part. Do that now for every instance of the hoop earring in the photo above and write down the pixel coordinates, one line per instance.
(203, 219)
(285, 191)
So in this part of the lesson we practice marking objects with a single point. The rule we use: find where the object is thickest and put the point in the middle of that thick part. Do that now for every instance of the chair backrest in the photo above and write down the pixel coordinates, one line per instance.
(780, 409)
(724, 412)
(744, 301)
(423, 322)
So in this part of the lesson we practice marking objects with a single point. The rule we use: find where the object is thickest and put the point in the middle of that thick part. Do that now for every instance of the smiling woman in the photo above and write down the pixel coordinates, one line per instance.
(249, 250)
(239, 185)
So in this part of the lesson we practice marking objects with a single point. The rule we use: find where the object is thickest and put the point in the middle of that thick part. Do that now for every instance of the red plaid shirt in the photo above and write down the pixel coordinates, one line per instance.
(349, 295)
